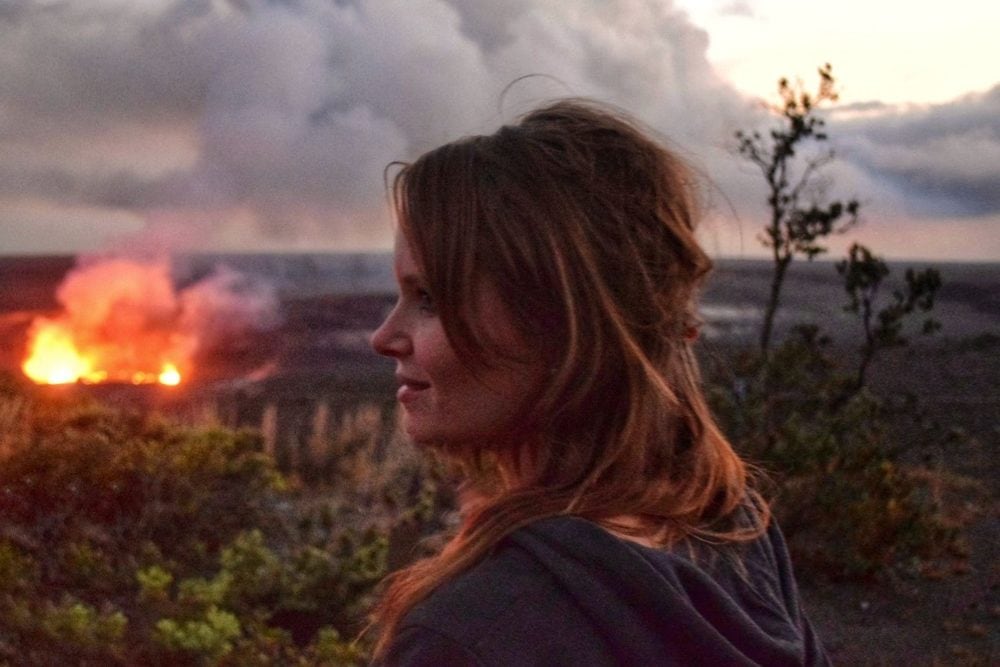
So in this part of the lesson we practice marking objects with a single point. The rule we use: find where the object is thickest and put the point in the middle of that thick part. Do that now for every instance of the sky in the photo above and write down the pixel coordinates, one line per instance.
(141, 126)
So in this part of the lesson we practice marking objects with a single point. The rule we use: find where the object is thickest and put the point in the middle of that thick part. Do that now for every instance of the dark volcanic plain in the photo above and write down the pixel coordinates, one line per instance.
(320, 354)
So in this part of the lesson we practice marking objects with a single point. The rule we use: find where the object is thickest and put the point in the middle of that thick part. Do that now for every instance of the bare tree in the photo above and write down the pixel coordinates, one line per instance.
(863, 274)
(799, 218)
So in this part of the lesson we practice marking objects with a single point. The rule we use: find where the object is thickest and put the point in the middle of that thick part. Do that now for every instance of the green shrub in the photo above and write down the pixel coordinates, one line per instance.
(126, 540)
(848, 506)
(209, 636)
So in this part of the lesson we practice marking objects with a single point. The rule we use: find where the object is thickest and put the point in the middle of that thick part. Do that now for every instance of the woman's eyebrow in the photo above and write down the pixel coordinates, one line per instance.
(410, 280)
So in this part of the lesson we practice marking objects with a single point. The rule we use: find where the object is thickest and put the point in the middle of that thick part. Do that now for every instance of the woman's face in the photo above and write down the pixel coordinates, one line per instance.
(443, 401)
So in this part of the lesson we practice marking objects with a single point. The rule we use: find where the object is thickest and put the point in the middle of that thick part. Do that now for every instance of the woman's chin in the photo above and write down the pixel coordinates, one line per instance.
(426, 438)
(416, 433)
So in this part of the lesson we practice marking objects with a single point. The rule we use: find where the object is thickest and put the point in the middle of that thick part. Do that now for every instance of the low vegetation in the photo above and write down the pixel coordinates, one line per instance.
(125, 540)
(850, 500)
(849, 503)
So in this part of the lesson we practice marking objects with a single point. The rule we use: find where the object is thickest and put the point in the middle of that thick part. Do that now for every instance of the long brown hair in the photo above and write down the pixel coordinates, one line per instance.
(584, 225)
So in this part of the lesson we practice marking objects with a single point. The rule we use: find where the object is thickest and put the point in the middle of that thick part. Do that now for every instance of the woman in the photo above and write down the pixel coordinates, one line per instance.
(543, 340)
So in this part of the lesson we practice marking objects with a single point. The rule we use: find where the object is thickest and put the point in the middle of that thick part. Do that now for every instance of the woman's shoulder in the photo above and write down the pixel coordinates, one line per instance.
(508, 609)
(507, 578)
(522, 571)
(564, 591)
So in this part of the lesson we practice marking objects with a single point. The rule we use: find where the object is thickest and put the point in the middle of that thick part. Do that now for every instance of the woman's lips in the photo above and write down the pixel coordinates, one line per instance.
(409, 389)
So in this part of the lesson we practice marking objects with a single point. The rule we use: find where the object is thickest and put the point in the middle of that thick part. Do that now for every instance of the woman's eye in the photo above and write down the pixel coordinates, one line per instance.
(424, 300)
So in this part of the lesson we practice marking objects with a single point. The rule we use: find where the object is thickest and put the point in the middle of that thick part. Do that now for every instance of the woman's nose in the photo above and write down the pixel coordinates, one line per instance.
(389, 339)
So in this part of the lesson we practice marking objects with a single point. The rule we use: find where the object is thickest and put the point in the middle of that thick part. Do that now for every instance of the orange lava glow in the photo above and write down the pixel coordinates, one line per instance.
(123, 320)
(55, 359)
(169, 375)
(120, 324)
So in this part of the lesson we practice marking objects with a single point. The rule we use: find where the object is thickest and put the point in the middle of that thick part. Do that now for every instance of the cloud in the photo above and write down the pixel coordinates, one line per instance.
(738, 8)
(267, 123)
(279, 116)
(944, 159)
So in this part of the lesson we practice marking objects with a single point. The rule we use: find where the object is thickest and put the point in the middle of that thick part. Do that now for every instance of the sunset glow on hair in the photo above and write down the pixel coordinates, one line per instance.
(584, 226)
